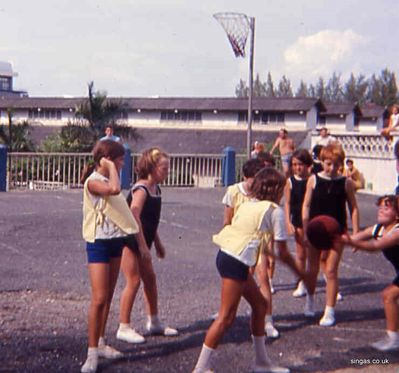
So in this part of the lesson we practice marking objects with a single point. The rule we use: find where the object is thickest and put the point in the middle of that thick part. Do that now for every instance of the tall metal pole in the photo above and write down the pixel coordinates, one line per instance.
(251, 76)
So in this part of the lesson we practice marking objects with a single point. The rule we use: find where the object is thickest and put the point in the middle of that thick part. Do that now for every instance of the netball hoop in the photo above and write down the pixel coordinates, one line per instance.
(237, 27)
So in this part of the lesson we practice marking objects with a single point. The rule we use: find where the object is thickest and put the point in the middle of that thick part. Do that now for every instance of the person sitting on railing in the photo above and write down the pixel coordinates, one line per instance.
(325, 137)
(393, 123)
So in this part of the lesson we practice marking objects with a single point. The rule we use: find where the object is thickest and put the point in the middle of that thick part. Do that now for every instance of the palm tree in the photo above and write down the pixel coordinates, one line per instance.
(99, 111)
(16, 136)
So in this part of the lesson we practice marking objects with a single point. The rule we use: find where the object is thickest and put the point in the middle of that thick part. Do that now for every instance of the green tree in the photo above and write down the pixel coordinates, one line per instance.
(92, 116)
(17, 136)
(242, 89)
(355, 89)
(284, 88)
(333, 89)
(383, 90)
(302, 90)
(270, 91)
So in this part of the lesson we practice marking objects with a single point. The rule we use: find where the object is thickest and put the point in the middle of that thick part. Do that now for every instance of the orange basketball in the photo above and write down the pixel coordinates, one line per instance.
(322, 230)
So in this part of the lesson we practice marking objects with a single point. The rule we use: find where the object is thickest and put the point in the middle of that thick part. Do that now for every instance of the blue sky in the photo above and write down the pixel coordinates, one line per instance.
(176, 48)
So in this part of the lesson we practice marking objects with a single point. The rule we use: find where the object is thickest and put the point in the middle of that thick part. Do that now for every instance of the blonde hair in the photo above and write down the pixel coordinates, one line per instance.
(149, 161)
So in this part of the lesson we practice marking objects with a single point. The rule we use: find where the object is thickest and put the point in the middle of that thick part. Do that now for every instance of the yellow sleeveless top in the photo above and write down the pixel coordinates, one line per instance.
(245, 228)
(114, 208)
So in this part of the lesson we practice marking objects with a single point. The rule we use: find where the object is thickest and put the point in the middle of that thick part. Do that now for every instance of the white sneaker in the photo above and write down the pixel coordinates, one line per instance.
(200, 370)
(327, 320)
(109, 352)
(386, 344)
(271, 331)
(129, 335)
(270, 369)
(300, 291)
(90, 365)
(161, 330)
(309, 308)
(340, 297)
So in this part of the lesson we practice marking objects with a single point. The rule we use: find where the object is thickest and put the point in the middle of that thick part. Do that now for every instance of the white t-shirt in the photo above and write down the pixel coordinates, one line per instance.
(324, 141)
(227, 199)
(273, 221)
(108, 229)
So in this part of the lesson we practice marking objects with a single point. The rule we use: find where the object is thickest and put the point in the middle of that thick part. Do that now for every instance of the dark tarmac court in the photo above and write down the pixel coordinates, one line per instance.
(44, 295)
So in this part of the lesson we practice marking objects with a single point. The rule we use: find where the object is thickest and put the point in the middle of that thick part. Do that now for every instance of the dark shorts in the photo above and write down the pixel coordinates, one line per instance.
(132, 244)
(230, 267)
(396, 280)
(102, 250)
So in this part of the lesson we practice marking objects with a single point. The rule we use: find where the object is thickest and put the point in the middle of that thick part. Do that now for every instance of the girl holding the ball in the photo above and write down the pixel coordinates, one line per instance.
(327, 194)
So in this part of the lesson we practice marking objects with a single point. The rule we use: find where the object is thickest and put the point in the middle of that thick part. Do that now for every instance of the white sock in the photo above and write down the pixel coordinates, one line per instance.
(124, 326)
(204, 359)
(261, 357)
(329, 311)
(392, 334)
(269, 319)
(92, 351)
(101, 342)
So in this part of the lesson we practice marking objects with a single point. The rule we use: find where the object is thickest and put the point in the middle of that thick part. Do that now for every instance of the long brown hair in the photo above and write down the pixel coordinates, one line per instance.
(105, 148)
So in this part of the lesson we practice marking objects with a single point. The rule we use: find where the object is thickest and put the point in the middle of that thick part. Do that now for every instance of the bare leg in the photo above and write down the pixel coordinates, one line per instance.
(331, 272)
(99, 279)
(390, 297)
(130, 270)
(148, 276)
(232, 291)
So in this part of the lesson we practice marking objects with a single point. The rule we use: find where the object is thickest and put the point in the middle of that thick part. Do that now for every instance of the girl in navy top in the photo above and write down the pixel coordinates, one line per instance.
(294, 194)
(384, 236)
(145, 203)
(327, 194)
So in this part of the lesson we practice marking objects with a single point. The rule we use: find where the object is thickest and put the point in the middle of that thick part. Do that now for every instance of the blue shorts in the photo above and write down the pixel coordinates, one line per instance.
(102, 250)
(230, 267)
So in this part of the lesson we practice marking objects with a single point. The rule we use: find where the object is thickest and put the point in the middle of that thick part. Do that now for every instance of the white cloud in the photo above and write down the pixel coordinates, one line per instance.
(322, 53)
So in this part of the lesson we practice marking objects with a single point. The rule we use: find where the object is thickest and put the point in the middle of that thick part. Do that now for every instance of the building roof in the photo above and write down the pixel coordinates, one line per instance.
(371, 110)
(341, 109)
(174, 103)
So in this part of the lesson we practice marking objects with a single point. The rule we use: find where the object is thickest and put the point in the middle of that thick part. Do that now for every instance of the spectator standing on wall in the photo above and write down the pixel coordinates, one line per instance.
(286, 147)
(109, 134)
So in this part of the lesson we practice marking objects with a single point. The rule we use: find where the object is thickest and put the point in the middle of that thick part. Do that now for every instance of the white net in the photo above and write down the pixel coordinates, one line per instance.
(237, 26)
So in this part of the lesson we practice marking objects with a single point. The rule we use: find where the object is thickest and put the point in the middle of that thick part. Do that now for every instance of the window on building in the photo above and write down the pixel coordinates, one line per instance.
(262, 117)
(5, 83)
(181, 116)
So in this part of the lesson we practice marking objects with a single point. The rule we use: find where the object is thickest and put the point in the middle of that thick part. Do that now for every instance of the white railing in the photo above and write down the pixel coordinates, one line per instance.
(54, 171)
(374, 156)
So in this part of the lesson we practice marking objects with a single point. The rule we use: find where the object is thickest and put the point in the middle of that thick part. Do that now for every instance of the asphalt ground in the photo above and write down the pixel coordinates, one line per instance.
(44, 295)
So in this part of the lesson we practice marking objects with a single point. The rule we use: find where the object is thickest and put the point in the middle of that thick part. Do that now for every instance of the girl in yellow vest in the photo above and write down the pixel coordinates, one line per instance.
(145, 203)
(107, 222)
(239, 245)
(236, 195)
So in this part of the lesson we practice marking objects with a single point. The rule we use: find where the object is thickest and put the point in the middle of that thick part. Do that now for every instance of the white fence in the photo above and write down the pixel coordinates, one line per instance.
(55, 171)
(373, 155)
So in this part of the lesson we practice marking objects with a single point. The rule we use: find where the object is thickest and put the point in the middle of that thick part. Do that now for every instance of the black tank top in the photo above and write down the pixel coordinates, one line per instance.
(391, 253)
(150, 214)
(297, 195)
(329, 198)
